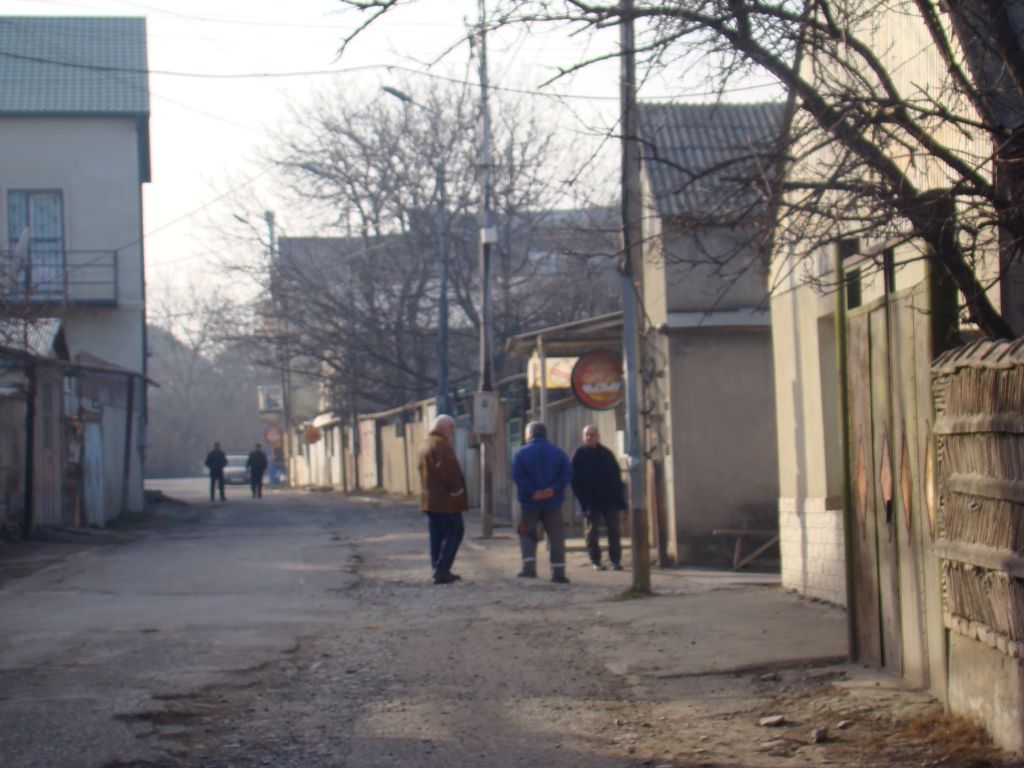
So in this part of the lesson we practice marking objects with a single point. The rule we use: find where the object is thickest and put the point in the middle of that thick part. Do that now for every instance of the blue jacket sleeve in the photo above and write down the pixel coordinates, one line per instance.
(521, 477)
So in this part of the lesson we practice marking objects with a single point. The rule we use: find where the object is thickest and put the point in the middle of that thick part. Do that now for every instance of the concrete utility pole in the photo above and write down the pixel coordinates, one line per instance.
(286, 408)
(632, 239)
(488, 235)
(442, 299)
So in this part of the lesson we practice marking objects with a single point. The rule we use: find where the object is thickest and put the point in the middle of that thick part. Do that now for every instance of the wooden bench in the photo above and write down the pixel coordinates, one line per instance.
(738, 559)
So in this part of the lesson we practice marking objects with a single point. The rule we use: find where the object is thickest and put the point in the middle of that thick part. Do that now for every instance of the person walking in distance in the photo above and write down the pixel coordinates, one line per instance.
(598, 488)
(541, 472)
(215, 462)
(443, 497)
(257, 465)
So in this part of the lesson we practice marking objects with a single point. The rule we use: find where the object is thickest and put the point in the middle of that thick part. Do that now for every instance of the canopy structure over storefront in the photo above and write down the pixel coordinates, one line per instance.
(560, 342)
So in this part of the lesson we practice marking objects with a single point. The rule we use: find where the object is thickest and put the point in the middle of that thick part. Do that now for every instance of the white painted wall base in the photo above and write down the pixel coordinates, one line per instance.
(813, 554)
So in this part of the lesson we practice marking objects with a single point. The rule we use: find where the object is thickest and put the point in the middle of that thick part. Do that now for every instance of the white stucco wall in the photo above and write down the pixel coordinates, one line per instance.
(811, 538)
(94, 162)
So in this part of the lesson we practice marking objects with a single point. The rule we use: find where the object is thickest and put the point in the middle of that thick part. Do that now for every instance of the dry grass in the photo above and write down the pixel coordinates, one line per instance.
(962, 743)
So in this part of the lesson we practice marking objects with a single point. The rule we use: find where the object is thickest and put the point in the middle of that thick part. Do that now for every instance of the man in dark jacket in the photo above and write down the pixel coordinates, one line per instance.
(597, 486)
(541, 472)
(257, 465)
(443, 497)
(215, 462)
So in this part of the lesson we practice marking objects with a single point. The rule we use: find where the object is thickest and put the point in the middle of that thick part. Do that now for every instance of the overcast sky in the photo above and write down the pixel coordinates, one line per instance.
(208, 130)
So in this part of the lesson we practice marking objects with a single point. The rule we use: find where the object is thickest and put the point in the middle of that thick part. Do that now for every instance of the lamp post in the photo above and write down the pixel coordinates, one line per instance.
(440, 191)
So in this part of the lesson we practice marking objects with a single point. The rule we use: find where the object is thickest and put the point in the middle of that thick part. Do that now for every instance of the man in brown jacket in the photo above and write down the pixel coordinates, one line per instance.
(442, 497)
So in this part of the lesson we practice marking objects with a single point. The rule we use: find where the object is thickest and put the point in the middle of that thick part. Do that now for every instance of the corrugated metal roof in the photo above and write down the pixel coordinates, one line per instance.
(703, 160)
(65, 65)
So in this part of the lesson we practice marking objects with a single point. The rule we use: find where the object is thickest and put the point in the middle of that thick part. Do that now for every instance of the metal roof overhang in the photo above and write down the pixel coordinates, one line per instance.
(603, 331)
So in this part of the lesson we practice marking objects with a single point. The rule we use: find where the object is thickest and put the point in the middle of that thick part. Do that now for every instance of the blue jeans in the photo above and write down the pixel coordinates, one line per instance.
(446, 532)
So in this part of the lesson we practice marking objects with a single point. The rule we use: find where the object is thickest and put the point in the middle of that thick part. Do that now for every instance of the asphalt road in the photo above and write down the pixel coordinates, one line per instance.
(303, 630)
(196, 489)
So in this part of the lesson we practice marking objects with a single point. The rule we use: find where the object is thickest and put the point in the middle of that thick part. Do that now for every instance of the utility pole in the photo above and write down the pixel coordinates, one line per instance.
(286, 414)
(442, 299)
(632, 240)
(488, 235)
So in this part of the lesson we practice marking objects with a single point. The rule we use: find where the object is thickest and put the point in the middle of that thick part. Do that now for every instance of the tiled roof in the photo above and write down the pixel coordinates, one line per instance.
(702, 160)
(69, 66)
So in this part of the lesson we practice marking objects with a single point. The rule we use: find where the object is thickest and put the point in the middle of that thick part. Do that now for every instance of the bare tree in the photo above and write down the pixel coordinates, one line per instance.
(359, 309)
(932, 157)
(207, 384)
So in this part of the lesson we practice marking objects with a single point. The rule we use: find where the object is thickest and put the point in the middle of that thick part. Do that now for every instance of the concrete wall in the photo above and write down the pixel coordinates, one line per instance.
(811, 537)
(722, 428)
(987, 686)
(713, 269)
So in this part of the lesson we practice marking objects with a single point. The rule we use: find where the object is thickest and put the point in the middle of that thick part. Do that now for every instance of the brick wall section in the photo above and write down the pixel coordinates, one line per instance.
(811, 544)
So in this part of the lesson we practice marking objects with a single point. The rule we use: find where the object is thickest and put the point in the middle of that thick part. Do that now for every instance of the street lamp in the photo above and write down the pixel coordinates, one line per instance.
(440, 190)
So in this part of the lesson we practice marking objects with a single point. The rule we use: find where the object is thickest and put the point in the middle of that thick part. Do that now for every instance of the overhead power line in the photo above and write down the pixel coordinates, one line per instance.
(345, 70)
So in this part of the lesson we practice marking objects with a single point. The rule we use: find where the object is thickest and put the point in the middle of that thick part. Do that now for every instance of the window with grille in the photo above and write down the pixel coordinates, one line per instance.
(40, 272)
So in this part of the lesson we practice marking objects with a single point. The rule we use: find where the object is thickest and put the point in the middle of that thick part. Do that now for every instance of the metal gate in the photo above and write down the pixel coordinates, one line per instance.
(94, 495)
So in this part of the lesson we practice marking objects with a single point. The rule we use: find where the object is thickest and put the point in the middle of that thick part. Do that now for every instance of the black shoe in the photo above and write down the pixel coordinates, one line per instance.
(617, 566)
(599, 566)
(454, 576)
(525, 574)
(560, 578)
(444, 577)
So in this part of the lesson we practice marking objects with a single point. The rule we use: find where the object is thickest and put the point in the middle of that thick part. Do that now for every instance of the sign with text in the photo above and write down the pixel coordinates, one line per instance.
(559, 371)
(597, 380)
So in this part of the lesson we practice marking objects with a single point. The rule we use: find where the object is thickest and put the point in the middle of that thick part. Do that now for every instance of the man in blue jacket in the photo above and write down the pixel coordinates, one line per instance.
(541, 472)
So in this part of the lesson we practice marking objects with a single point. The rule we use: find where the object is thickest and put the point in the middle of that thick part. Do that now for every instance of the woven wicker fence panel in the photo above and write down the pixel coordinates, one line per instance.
(979, 520)
(979, 399)
(986, 390)
(987, 597)
(991, 454)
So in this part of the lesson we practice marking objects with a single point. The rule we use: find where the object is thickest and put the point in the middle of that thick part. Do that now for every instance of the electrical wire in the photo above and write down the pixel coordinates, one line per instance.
(349, 70)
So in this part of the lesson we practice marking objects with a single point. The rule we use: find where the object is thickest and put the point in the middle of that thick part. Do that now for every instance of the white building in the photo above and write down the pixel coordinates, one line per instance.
(74, 128)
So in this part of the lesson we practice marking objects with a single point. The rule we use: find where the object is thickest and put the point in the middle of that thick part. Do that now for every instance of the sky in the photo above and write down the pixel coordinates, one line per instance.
(223, 81)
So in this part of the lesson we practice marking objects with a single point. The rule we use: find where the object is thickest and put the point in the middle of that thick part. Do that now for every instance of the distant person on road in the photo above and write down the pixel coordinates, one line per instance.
(541, 472)
(215, 462)
(597, 486)
(257, 465)
(442, 497)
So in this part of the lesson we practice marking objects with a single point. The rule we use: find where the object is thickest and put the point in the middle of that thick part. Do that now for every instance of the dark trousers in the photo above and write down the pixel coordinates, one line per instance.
(256, 483)
(554, 527)
(217, 479)
(592, 532)
(446, 532)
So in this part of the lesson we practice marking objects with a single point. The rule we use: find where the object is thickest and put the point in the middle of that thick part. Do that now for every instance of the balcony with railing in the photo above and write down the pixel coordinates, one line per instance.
(61, 278)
